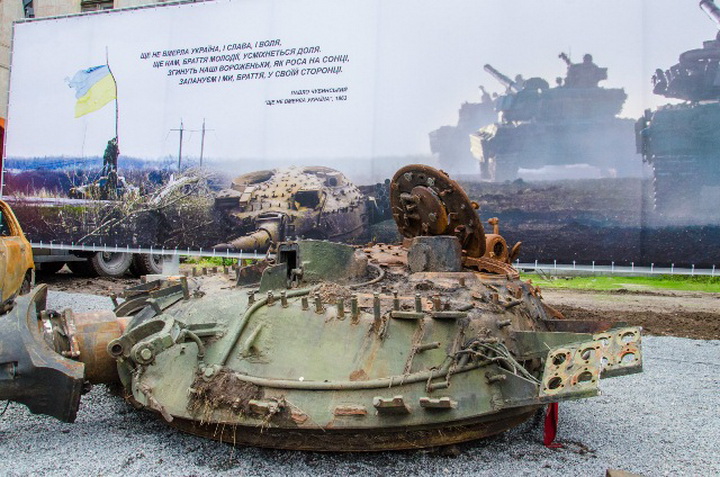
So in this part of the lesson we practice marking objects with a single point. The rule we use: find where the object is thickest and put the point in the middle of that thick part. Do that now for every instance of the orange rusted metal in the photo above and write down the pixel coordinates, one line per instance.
(92, 333)
(16, 261)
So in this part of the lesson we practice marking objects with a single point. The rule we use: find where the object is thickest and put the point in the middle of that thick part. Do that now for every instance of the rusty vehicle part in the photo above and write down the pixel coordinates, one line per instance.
(268, 207)
(680, 141)
(48, 358)
(574, 122)
(337, 348)
(17, 270)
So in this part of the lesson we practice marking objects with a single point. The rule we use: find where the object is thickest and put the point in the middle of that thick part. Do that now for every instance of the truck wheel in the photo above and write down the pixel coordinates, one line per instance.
(82, 269)
(146, 264)
(111, 264)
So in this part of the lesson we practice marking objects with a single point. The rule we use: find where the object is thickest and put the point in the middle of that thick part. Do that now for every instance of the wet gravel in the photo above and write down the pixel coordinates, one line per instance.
(661, 422)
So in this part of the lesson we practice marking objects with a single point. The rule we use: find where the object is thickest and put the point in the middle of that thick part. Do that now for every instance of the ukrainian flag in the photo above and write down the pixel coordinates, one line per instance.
(94, 88)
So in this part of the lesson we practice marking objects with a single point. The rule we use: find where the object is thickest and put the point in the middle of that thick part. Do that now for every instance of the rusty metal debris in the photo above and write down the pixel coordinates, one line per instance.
(432, 342)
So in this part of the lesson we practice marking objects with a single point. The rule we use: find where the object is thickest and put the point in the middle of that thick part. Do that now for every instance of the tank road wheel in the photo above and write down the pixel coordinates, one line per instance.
(111, 264)
(146, 264)
(82, 269)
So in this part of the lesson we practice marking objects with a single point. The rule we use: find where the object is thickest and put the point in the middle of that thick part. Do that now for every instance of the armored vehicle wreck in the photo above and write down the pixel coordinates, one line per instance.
(328, 347)
(574, 122)
(267, 207)
(681, 141)
(451, 144)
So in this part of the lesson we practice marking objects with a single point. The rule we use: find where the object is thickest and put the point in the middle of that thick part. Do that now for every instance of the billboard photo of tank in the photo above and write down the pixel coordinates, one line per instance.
(681, 141)
(451, 144)
(574, 122)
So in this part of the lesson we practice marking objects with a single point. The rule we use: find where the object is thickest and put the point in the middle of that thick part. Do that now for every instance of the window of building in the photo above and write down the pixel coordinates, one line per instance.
(93, 5)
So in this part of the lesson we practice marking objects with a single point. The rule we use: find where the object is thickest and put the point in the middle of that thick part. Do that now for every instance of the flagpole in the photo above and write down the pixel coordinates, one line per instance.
(117, 114)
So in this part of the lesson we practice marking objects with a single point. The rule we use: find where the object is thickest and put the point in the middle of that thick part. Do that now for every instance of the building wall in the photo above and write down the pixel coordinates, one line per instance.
(10, 10)
(51, 8)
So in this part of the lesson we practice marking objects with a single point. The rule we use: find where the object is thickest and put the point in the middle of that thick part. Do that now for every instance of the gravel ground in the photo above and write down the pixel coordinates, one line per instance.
(661, 422)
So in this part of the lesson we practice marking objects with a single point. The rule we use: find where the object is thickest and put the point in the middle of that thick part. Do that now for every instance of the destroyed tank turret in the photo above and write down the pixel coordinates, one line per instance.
(574, 122)
(681, 141)
(327, 347)
(267, 207)
(451, 144)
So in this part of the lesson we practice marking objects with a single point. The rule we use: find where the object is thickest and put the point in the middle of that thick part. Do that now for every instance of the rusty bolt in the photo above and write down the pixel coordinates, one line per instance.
(146, 354)
(437, 303)
(354, 308)
(318, 304)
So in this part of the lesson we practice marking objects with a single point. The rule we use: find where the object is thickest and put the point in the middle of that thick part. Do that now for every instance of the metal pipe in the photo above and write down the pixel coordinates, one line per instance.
(388, 382)
(241, 323)
(711, 10)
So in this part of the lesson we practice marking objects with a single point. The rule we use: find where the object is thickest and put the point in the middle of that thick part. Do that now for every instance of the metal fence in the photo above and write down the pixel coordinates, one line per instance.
(631, 269)
(550, 268)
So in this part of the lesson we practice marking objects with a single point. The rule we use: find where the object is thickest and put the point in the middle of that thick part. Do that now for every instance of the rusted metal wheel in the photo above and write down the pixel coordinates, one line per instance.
(425, 201)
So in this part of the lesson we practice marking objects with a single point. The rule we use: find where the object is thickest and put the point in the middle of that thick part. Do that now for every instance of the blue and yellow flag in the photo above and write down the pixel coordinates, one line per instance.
(94, 88)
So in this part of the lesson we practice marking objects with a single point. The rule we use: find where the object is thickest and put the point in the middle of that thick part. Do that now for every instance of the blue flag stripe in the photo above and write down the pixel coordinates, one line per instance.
(85, 79)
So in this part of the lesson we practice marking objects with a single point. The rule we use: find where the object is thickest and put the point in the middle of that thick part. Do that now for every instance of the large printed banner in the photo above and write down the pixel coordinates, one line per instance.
(229, 124)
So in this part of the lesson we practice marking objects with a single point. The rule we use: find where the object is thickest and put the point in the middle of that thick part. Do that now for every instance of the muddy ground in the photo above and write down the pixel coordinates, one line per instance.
(666, 313)
(603, 220)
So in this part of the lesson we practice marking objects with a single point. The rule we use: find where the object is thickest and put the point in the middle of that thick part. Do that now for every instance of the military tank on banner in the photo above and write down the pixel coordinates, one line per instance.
(451, 144)
(681, 141)
(328, 347)
(574, 122)
(265, 207)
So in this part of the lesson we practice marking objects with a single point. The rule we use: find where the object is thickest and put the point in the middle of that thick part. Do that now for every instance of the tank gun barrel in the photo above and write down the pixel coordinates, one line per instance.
(504, 80)
(712, 10)
(269, 231)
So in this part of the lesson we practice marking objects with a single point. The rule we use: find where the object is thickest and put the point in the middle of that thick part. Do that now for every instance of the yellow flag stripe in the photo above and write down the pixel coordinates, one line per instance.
(100, 94)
